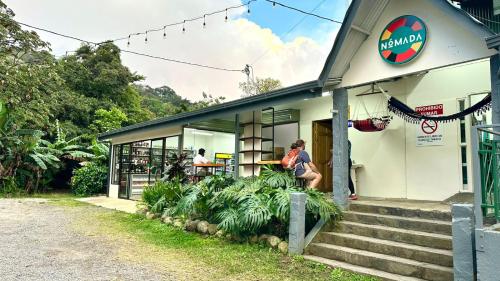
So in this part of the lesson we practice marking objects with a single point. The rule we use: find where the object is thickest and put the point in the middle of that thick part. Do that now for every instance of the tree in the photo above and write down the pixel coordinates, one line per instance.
(261, 85)
(107, 120)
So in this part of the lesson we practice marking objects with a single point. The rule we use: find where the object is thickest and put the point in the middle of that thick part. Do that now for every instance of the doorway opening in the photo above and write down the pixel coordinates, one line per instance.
(322, 152)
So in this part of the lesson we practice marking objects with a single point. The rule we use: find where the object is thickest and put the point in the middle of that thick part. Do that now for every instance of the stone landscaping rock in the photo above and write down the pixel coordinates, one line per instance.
(220, 233)
(283, 247)
(273, 241)
(212, 229)
(202, 227)
(178, 223)
(191, 225)
(263, 237)
(168, 220)
(141, 211)
(253, 239)
(151, 216)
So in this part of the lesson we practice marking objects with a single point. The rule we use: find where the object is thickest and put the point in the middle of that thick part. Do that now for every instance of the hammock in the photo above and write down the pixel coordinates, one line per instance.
(372, 123)
(409, 115)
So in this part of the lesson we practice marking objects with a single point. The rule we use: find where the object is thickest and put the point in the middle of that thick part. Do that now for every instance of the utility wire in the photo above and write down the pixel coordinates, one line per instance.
(131, 52)
(225, 10)
(302, 11)
(290, 30)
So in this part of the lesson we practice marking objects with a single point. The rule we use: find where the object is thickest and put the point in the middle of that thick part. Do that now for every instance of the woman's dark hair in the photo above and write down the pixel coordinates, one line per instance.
(300, 143)
(201, 151)
(294, 146)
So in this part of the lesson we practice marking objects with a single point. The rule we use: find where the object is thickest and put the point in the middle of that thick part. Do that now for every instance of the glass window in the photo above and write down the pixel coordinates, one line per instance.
(156, 170)
(115, 164)
(171, 151)
(139, 167)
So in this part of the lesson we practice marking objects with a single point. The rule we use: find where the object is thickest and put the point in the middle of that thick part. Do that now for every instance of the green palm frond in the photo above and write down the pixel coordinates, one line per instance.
(254, 212)
(317, 204)
(187, 204)
(38, 161)
(228, 220)
(280, 201)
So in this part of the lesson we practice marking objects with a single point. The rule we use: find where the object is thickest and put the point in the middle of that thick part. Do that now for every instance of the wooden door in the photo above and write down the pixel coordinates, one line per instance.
(321, 147)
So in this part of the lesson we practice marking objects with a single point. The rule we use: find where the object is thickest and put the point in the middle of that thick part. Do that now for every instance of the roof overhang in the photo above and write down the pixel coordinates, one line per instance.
(306, 90)
(359, 22)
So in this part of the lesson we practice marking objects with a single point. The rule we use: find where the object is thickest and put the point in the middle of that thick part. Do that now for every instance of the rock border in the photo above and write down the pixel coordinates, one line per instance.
(207, 229)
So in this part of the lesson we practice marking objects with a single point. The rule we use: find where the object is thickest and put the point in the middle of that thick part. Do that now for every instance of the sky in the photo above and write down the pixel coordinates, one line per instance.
(263, 38)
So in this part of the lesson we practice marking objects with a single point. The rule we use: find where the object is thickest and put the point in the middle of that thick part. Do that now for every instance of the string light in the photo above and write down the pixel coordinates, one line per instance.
(131, 52)
(146, 38)
(248, 6)
(183, 26)
(204, 21)
(274, 4)
(128, 42)
(226, 16)
(164, 32)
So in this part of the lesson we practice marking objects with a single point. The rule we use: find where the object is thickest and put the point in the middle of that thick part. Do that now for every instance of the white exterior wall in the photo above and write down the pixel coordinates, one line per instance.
(394, 167)
(451, 39)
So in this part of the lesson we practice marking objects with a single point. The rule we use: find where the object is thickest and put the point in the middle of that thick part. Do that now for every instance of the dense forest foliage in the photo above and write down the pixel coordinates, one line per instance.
(52, 109)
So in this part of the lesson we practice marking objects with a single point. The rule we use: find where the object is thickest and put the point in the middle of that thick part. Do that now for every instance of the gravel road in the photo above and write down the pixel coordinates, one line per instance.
(37, 243)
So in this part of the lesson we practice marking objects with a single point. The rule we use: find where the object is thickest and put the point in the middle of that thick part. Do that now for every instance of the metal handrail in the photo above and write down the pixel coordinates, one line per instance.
(485, 161)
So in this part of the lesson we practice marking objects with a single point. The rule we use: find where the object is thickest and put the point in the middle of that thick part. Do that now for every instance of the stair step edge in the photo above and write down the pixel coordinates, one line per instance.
(393, 243)
(415, 232)
(385, 257)
(362, 270)
(416, 219)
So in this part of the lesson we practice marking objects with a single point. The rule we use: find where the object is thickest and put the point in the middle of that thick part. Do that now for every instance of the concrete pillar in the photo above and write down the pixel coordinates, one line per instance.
(236, 146)
(297, 223)
(340, 148)
(463, 242)
(495, 88)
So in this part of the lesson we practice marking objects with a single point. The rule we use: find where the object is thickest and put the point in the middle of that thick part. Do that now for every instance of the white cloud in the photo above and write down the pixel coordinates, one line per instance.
(230, 45)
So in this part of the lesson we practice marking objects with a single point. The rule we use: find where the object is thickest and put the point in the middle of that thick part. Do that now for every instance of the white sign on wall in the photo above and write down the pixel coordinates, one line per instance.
(429, 133)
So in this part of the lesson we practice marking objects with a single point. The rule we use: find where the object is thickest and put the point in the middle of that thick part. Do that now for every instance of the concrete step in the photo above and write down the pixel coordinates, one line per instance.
(432, 240)
(425, 225)
(387, 263)
(382, 275)
(400, 211)
(402, 250)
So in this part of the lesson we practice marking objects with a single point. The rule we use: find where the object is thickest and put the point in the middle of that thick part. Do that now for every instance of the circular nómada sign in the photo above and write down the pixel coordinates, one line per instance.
(402, 39)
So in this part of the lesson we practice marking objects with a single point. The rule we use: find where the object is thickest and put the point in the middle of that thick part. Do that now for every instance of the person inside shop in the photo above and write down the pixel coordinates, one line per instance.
(305, 168)
(353, 195)
(200, 159)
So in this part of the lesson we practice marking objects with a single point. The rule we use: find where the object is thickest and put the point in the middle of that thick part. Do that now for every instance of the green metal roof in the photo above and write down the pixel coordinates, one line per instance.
(309, 89)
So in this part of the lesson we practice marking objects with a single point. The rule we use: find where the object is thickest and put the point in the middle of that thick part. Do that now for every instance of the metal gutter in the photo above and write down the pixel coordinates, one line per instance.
(309, 89)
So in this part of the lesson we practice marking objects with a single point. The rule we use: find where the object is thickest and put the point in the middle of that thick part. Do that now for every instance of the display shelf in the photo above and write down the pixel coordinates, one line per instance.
(256, 151)
(255, 138)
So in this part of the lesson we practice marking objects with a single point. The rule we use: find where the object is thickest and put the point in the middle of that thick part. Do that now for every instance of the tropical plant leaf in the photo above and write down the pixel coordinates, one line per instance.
(38, 161)
(254, 213)
(229, 220)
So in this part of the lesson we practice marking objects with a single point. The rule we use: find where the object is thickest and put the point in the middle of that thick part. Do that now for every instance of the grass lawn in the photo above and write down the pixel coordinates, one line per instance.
(152, 241)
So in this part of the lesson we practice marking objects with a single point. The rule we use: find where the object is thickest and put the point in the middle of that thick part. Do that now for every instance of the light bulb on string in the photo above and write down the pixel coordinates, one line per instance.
(248, 5)
(164, 32)
(226, 16)
(128, 41)
(274, 4)
(183, 26)
(204, 21)
(146, 38)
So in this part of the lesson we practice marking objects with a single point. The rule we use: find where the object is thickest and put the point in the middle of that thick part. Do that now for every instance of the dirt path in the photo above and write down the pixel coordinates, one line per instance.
(38, 242)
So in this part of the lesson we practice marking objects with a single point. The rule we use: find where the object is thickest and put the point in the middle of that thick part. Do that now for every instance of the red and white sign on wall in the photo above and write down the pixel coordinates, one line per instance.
(429, 132)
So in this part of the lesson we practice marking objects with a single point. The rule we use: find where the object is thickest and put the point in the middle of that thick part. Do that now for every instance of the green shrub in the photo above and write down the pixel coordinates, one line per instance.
(251, 205)
(89, 179)
(161, 195)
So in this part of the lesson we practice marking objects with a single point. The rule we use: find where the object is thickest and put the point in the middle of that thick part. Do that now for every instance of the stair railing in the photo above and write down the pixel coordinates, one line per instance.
(486, 166)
